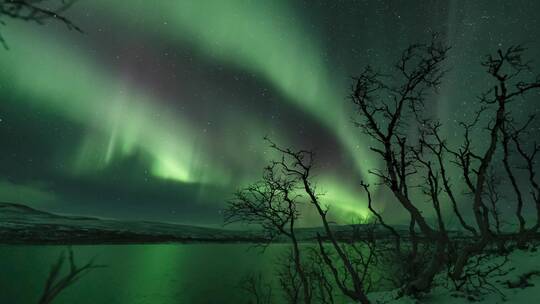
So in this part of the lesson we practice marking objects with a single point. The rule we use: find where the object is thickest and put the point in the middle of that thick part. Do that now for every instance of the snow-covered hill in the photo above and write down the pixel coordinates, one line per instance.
(20, 224)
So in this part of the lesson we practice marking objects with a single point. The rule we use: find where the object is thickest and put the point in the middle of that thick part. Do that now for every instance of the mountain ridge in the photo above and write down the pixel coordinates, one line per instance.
(21, 224)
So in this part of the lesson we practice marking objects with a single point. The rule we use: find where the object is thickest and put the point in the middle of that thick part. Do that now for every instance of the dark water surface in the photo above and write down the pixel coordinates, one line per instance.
(136, 274)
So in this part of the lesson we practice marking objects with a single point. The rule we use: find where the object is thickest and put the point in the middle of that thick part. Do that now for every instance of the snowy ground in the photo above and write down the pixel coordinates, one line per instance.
(520, 262)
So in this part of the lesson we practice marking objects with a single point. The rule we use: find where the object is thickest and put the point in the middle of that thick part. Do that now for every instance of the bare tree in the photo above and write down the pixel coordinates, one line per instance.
(259, 291)
(391, 106)
(36, 11)
(507, 68)
(530, 161)
(493, 195)
(477, 275)
(289, 279)
(323, 289)
(299, 166)
(384, 108)
(273, 204)
(56, 283)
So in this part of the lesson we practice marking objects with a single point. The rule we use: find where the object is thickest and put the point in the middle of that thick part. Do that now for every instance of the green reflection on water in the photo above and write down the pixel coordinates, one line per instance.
(137, 274)
(144, 274)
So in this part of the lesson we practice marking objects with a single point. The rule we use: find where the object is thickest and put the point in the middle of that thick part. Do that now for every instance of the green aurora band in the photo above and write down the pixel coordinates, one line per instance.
(121, 119)
(258, 36)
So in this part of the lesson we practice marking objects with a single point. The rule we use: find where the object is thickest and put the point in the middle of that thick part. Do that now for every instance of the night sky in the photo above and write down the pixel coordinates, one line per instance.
(158, 111)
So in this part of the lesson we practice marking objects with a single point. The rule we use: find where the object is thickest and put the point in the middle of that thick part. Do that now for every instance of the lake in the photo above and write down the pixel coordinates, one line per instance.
(137, 274)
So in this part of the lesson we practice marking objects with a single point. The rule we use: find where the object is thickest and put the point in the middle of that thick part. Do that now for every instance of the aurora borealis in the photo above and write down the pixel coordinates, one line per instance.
(158, 111)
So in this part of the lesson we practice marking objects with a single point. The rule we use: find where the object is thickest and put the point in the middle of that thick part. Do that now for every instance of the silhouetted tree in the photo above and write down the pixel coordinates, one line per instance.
(383, 108)
(56, 282)
(323, 289)
(292, 285)
(36, 11)
(273, 204)
(300, 166)
(259, 291)
(416, 166)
